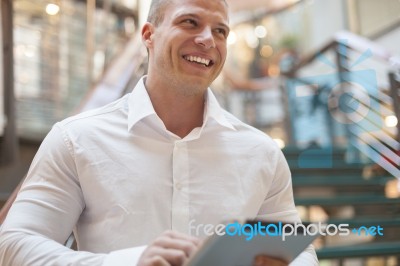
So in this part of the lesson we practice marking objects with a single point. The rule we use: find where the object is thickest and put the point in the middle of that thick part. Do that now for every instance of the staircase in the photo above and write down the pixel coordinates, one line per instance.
(349, 174)
(328, 189)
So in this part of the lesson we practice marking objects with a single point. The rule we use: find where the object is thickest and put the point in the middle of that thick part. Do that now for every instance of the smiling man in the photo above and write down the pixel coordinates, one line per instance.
(130, 177)
(187, 50)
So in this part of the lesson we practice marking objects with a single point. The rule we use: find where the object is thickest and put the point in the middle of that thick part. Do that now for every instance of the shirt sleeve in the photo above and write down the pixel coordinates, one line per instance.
(121, 257)
(279, 206)
(46, 210)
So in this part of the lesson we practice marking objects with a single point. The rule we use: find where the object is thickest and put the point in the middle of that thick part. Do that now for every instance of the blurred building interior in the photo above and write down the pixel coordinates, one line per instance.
(321, 77)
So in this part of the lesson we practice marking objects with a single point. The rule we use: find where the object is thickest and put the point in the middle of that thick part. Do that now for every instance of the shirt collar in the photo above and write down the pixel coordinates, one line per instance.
(214, 110)
(140, 107)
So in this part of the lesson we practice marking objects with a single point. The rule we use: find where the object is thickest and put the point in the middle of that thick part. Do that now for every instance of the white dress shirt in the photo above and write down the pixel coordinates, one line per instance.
(119, 178)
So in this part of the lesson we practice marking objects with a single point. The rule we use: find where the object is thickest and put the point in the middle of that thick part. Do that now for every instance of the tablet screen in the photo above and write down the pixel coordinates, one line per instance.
(241, 242)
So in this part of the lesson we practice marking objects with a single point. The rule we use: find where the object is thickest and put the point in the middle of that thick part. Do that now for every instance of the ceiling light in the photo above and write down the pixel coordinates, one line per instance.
(391, 121)
(280, 143)
(260, 31)
(52, 9)
(232, 38)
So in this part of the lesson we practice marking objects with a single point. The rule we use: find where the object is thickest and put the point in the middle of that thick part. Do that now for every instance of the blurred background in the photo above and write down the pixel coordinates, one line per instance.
(321, 77)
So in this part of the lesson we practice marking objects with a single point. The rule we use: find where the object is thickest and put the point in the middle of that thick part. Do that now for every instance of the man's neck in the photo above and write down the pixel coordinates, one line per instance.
(180, 113)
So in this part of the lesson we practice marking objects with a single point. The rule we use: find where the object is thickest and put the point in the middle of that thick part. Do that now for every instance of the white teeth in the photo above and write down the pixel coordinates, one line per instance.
(198, 60)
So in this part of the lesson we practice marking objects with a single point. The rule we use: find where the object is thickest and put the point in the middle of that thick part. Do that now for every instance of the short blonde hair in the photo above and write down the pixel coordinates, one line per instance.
(157, 10)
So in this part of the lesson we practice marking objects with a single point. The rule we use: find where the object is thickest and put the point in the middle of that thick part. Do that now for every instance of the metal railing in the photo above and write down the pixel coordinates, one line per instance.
(352, 98)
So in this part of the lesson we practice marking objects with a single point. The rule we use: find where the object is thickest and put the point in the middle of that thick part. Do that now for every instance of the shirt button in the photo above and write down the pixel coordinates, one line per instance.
(178, 186)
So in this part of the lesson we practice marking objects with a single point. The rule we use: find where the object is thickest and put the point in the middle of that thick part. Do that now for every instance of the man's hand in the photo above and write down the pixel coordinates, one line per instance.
(169, 249)
(262, 260)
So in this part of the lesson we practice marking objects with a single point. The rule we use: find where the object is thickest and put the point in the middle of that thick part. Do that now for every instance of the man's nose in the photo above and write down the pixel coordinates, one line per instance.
(205, 38)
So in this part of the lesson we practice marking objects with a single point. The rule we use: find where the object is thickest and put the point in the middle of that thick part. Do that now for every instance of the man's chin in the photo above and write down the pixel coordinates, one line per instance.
(205, 80)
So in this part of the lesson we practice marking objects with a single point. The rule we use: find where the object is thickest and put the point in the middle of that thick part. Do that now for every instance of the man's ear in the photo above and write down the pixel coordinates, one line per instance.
(147, 34)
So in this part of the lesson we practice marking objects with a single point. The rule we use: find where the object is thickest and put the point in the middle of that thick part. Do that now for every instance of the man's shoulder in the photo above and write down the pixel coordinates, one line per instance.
(249, 133)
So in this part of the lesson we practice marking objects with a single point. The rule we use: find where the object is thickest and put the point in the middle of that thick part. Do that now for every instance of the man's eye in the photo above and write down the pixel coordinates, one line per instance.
(221, 31)
(190, 21)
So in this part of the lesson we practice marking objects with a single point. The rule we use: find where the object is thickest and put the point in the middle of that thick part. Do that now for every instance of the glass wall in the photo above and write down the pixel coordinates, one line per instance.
(54, 68)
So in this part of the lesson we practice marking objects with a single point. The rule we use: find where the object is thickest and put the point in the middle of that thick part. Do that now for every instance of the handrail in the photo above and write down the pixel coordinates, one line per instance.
(395, 88)
(354, 42)
(116, 77)
(309, 58)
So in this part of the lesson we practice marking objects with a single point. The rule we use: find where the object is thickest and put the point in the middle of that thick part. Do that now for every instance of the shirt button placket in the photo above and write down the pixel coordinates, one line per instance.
(180, 200)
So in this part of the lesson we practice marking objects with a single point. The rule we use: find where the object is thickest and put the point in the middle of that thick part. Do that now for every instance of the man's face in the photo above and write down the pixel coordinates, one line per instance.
(189, 46)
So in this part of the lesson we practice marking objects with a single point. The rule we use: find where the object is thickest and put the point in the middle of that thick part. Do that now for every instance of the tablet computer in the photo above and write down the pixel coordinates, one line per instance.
(240, 243)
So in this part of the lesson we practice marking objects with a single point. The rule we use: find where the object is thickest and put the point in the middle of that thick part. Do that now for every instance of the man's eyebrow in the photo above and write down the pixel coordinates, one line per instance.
(193, 15)
(226, 26)
(182, 15)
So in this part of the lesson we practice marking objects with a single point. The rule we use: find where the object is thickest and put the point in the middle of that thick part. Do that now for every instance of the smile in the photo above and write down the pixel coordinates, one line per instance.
(199, 60)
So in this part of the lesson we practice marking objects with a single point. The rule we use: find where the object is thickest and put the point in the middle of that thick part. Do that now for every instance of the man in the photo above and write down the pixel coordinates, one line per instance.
(160, 158)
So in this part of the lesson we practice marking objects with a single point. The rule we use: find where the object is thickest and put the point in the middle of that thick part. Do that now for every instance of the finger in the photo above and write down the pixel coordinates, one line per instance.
(178, 235)
(174, 257)
(185, 245)
(156, 261)
(173, 247)
(262, 260)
